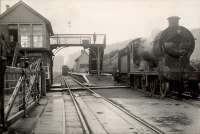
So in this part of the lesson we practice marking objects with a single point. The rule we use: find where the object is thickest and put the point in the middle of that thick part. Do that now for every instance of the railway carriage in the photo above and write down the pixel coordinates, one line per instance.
(65, 70)
(110, 62)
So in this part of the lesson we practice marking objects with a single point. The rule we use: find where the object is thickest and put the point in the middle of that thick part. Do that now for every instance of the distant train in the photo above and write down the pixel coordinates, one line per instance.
(158, 66)
(65, 70)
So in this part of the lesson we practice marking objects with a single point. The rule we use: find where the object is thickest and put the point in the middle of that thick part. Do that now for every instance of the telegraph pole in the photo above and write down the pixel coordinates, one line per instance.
(69, 26)
(98, 56)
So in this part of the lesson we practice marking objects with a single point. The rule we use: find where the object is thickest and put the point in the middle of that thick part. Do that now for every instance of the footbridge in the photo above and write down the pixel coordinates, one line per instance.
(96, 44)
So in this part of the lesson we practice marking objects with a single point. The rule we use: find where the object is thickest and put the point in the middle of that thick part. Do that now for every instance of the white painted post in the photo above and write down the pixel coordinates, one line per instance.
(98, 61)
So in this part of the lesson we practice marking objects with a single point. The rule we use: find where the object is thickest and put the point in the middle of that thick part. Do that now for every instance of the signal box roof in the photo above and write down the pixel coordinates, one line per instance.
(29, 9)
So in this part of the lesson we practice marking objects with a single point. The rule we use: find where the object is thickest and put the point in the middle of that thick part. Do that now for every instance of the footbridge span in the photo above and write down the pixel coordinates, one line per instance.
(96, 44)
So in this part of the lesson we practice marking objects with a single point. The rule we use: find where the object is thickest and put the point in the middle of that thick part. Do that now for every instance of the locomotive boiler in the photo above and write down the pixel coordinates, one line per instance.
(163, 64)
(170, 50)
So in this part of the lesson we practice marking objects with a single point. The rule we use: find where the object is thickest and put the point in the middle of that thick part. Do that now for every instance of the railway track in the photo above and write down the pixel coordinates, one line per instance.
(68, 83)
(98, 114)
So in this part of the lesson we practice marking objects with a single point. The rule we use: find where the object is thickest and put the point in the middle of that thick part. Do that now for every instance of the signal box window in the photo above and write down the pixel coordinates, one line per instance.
(13, 33)
(37, 36)
(25, 31)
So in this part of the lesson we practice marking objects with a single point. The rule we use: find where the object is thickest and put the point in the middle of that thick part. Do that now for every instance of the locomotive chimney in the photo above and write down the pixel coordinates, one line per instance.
(173, 21)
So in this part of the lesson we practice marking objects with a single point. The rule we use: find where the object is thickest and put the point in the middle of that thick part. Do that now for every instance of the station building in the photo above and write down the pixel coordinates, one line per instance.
(31, 31)
(82, 63)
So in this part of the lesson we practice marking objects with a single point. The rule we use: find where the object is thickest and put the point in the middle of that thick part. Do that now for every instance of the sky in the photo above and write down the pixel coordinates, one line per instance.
(118, 19)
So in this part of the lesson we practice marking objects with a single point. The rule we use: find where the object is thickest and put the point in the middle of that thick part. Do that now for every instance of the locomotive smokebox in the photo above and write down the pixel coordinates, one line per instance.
(173, 21)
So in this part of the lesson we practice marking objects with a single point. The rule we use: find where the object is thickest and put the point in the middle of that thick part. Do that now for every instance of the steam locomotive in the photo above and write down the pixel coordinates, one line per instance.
(161, 65)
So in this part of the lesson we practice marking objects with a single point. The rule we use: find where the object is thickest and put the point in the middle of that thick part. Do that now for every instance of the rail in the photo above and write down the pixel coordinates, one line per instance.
(82, 77)
(22, 90)
(84, 123)
(155, 129)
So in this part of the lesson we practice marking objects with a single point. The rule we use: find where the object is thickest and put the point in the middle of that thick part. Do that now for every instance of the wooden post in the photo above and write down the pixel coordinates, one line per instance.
(43, 82)
(2, 72)
(26, 64)
(24, 92)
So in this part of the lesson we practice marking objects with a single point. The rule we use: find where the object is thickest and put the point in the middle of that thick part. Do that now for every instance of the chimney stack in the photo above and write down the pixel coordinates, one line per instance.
(7, 7)
(173, 21)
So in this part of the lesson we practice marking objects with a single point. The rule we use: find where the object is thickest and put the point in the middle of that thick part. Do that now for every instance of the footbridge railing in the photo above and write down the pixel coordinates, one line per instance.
(22, 90)
(85, 40)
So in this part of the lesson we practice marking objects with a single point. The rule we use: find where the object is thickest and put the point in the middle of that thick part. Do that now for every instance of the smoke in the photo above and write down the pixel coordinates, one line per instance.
(145, 49)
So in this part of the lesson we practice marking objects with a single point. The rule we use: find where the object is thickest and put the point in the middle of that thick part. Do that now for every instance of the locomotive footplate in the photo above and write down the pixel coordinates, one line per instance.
(152, 84)
(143, 73)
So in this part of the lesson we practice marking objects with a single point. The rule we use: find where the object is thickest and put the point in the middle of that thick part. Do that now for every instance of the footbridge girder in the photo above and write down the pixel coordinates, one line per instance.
(56, 46)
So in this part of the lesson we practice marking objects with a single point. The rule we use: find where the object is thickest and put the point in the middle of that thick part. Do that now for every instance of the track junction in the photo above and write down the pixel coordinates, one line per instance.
(81, 110)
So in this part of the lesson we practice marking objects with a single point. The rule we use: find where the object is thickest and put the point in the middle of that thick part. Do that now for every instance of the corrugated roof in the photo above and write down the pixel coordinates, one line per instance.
(9, 10)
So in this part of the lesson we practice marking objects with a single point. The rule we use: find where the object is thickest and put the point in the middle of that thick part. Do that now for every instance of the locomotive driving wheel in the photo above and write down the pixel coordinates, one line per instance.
(194, 89)
(152, 87)
(164, 87)
(144, 84)
(135, 83)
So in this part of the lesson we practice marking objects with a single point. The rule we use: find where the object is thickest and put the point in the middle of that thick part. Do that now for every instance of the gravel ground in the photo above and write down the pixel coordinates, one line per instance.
(102, 80)
(171, 116)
